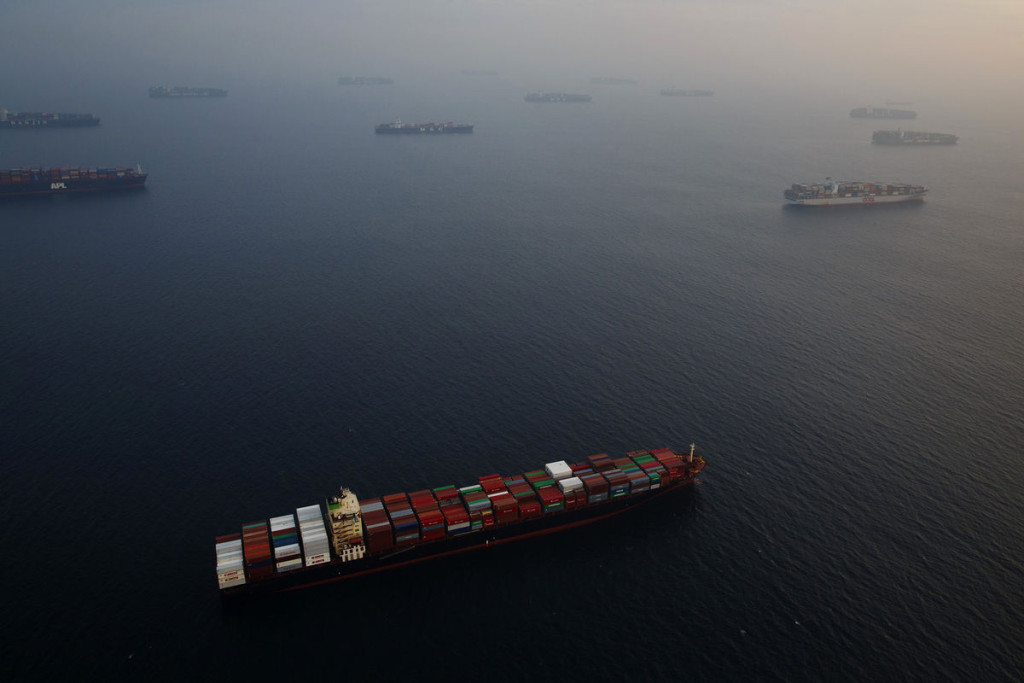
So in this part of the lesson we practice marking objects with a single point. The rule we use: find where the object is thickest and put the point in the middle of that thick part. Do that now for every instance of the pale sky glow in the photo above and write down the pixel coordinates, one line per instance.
(931, 44)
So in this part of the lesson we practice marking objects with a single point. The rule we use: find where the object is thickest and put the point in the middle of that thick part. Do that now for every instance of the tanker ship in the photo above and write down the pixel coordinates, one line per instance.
(399, 128)
(350, 537)
(912, 137)
(29, 181)
(45, 120)
(842, 192)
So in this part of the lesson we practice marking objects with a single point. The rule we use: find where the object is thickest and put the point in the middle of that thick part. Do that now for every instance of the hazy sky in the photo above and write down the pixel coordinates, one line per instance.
(894, 45)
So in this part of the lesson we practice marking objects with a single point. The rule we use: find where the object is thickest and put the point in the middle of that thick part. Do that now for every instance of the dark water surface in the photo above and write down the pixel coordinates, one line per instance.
(294, 304)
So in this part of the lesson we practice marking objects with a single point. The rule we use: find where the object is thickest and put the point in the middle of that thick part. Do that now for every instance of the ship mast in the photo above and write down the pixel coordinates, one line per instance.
(692, 447)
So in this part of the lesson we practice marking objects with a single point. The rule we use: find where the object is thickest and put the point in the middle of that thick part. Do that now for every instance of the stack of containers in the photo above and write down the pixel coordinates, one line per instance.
(639, 482)
(526, 498)
(230, 570)
(407, 527)
(618, 483)
(492, 483)
(256, 549)
(539, 479)
(479, 506)
(429, 515)
(650, 466)
(572, 488)
(315, 546)
(285, 537)
(506, 509)
(596, 487)
(551, 499)
(671, 462)
(601, 462)
(455, 516)
(376, 525)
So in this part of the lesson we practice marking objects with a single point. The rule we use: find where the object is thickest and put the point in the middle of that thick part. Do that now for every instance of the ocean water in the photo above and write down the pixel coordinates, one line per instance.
(294, 303)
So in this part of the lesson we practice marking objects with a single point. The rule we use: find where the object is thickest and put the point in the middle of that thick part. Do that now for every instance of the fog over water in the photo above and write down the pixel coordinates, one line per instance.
(968, 53)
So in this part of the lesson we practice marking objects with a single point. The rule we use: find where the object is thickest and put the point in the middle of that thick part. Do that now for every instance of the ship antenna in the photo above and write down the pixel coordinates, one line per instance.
(692, 447)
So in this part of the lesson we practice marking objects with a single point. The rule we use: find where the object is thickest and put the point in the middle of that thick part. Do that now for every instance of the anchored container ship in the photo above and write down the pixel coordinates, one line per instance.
(399, 128)
(556, 97)
(45, 120)
(911, 137)
(162, 91)
(26, 181)
(841, 192)
(678, 92)
(882, 113)
(358, 537)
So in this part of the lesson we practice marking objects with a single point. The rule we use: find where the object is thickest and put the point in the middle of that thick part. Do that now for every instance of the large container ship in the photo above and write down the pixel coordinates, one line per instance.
(912, 137)
(29, 181)
(163, 92)
(556, 97)
(350, 537)
(364, 80)
(882, 113)
(399, 128)
(45, 120)
(679, 92)
(842, 192)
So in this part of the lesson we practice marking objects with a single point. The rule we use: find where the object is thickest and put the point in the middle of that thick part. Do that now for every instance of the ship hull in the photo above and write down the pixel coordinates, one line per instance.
(50, 123)
(46, 186)
(425, 130)
(494, 536)
(867, 200)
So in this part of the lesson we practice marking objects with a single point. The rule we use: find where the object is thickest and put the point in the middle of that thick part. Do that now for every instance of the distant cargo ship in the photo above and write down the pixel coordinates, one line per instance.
(840, 193)
(399, 128)
(607, 80)
(556, 97)
(364, 80)
(882, 113)
(45, 120)
(678, 92)
(162, 91)
(29, 181)
(912, 137)
(360, 537)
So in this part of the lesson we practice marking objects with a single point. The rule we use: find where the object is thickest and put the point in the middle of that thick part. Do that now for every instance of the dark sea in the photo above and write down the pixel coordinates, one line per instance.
(294, 304)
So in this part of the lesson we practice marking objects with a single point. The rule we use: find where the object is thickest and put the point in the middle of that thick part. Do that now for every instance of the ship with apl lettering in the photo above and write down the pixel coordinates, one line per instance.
(41, 181)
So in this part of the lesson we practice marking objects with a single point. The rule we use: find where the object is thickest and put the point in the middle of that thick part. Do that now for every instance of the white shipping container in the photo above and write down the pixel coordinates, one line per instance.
(310, 512)
(571, 484)
(316, 559)
(282, 523)
(558, 470)
(286, 551)
(289, 565)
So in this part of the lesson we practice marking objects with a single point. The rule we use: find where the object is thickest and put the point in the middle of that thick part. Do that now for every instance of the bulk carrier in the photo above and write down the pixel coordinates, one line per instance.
(358, 537)
(843, 192)
(29, 181)
(41, 119)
